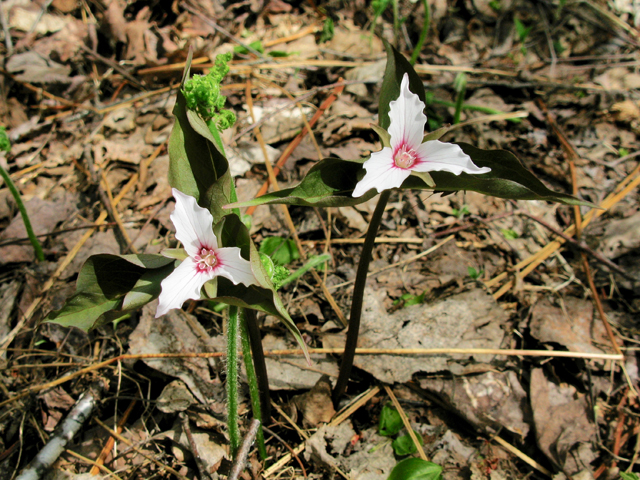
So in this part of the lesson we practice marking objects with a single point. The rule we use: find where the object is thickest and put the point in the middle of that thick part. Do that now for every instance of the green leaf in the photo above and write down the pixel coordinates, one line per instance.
(390, 421)
(146, 288)
(196, 166)
(415, 469)
(473, 273)
(508, 178)
(329, 183)
(629, 476)
(396, 67)
(521, 29)
(509, 234)
(314, 261)
(328, 30)
(256, 45)
(408, 299)
(231, 232)
(403, 445)
(281, 250)
(102, 283)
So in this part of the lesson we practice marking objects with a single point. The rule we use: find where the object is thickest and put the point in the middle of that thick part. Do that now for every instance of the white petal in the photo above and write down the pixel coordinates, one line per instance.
(184, 283)
(407, 117)
(382, 174)
(435, 156)
(194, 224)
(232, 266)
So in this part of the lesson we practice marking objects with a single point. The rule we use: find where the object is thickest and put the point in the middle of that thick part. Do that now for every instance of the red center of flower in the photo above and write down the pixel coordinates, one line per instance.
(206, 260)
(405, 157)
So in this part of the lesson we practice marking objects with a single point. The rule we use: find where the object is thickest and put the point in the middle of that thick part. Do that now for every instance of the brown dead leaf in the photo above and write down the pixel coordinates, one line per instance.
(65, 43)
(57, 402)
(179, 332)
(488, 401)
(44, 216)
(315, 406)
(471, 319)
(563, 429)
(571, 324)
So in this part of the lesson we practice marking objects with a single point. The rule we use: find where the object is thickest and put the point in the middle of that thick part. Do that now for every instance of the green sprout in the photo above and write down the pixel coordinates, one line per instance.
(474, 274)
(328, 30)
(523, 32)
(5, 144)
(202, 94)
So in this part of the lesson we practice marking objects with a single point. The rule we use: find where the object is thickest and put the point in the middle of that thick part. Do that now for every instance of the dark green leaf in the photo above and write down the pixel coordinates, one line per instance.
(508, 179)
(415, 469)
(197, 167)
(147, 287)
(390, 421)
(329, 183)
(102, 283)
(397, 66)
(282, 251)
(403, 445)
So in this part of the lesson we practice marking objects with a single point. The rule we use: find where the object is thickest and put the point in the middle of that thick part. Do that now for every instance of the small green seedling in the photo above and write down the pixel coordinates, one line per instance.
(328, 30)
(409, 299)
(523, 32)
(475, 274)
(509, 234)
(460, 212)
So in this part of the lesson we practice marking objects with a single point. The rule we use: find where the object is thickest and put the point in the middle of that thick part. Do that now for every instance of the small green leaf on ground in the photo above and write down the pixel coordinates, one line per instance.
(415, 469)
(281, 250)
(403, 445)
(390, 421)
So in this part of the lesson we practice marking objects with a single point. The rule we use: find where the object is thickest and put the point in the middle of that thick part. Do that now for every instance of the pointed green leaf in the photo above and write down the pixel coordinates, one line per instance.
(197, 167)
(403, 445)
(147, 288)
(390, 421)
(397, 66)
(508, 178)
(329, 183)
(415, 469)
(102, 283)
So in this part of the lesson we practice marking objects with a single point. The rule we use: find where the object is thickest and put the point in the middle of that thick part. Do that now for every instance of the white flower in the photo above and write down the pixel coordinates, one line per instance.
(389, 167)
(205, 261)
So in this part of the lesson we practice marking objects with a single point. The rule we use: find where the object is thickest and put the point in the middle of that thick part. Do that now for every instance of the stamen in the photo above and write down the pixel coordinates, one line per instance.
(206, 260)
(405, 157)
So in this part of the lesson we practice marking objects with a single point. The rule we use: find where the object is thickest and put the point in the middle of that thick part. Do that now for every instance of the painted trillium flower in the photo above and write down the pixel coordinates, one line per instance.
(205, 260)
(392, 165)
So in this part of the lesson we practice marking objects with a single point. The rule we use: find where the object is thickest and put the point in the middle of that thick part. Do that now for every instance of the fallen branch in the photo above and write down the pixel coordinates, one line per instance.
(63, 434)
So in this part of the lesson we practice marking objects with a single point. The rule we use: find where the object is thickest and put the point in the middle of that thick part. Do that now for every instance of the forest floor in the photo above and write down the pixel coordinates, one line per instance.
(86, 95)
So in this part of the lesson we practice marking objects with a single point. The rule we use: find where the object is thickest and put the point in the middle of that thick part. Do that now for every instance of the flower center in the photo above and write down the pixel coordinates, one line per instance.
(405, 157)
(206, 260)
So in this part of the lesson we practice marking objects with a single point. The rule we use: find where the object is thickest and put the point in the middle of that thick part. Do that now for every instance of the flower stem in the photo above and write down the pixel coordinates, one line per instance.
(25, 216)
(423, 34)
(248, 317)
(232, 381)
(358, 296)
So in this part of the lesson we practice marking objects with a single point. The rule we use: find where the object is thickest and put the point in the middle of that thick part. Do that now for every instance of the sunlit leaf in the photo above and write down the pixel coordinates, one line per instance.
(104, 282)
(415, 469)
